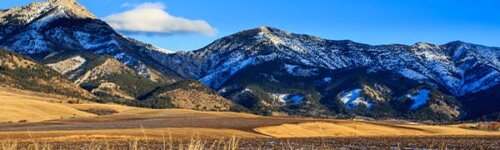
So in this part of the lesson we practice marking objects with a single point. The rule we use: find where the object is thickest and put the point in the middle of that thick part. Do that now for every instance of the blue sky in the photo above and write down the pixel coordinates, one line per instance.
(365, 21)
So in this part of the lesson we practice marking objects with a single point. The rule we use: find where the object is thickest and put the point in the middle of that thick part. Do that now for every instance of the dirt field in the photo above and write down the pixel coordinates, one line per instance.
(375, 143)
(56, 125)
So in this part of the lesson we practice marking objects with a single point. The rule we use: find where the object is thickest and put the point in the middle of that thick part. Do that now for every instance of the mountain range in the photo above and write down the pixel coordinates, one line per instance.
(264, 70)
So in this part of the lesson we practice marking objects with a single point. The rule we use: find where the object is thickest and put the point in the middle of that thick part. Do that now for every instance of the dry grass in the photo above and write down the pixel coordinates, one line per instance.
(88, 106)
(484, 126)
(8, 92)
(233, 143)
(128, 134)
(360, 128)
(195, 143)
(182, 112)
(15, 107)
(492, 126)
(18, 105)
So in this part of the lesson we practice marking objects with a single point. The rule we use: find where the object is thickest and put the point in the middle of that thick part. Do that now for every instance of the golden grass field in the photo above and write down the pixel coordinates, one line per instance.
(52, 119)
(15, 107)
(359, 128)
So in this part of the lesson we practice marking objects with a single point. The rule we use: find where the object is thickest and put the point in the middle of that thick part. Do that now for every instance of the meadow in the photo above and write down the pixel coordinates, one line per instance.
(36, 122)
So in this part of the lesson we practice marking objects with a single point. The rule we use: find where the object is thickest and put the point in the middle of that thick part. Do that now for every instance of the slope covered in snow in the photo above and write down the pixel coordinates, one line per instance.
(419, 99)
(60, 26)
(353, 99)
(460, 67)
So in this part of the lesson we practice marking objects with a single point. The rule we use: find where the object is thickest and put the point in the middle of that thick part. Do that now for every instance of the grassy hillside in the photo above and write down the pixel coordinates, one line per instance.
(188, 94)
(18, 107)
(20, 72)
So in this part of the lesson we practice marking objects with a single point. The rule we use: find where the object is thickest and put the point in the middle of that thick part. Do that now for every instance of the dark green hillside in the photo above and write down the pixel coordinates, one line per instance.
(17, 71)
(187, 94)
(484, 104)
(254, 86)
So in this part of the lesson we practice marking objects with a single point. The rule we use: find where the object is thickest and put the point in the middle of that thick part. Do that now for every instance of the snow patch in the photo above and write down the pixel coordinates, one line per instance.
(219, 77)
(127, 60)
(298, 71)
(279, 97)
(420, 99)
(266, 34)
(425, 46)
(327, 79)
(287, 98)
(247, 90)
(87, 41)
(58, 14)
(162, 50)
(30, 42)
(352, 99)
(430, 52)
(411, 74)
(295, 99)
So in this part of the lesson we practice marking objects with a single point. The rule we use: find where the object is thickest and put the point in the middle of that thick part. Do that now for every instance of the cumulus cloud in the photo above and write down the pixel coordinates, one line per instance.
(151, 18)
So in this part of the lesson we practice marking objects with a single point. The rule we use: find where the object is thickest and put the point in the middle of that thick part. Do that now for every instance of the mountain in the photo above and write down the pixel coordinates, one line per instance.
(20, 72)
(105, 76)
(266, 68)
(43, 30)
(71, 42)
(461, 68)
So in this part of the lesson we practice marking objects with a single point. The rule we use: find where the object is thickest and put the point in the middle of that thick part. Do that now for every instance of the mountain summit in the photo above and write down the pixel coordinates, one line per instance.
(73, 7)
(62, 1)
(43, 12)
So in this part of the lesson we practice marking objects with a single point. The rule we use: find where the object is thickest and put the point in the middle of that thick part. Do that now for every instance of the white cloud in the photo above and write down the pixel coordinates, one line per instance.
(151, 18)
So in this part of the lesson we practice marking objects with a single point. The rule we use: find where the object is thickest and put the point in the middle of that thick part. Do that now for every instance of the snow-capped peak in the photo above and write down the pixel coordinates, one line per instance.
(422, 45)
(62, 2)
(39, 9)
(64, 25)
(423, 62)
(430, 52)
(74, 8)
(166, 51)
(266, 34)
(16, 17)
(264, 29)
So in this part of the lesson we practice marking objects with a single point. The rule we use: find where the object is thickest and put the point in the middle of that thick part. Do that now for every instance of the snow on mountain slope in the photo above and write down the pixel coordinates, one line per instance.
(284, 99)
(162, 50)
(460, 67)
(353, 99)
(298, 71)
(42, 28)
(419, 99)
(40, 14)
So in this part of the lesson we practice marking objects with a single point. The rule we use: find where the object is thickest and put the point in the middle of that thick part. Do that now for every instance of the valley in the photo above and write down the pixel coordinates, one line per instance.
(72, 124)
